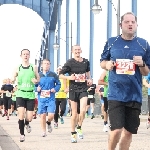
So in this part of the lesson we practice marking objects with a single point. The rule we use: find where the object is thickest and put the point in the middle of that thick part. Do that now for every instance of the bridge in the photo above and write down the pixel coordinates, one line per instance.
(50, 12)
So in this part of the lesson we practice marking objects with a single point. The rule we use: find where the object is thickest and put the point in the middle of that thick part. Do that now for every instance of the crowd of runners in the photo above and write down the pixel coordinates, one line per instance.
(124, 60)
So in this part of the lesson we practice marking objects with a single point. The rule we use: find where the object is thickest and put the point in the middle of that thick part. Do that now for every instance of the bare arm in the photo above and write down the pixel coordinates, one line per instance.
(36, 73)
(15, 74)
(103, 64)
(101, 79)
(88, 74)
(144, 70)
(145, 83)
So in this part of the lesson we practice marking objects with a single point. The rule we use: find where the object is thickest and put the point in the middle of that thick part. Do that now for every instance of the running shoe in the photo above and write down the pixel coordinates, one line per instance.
(92, 116)
(22, 138)
(34, 116)
(55, 125)
(61, 120)
(7, 117)
(68, 115)
(86, 115)
(44, 134)
(74, 138)
(49, 128)
(102, 116)
(28, 128)
(147, 124)
(105, 128)
(79, 133)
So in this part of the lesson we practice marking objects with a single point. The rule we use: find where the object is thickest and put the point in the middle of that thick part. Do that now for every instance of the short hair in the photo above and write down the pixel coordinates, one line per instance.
(46, 60)
(128, 13)
(24, 50)
(74, 46)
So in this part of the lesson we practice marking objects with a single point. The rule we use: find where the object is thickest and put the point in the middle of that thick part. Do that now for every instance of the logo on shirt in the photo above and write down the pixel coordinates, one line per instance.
(126, 46)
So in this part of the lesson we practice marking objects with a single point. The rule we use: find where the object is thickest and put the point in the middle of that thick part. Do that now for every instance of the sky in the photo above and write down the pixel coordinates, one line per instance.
(18, 31)
(24, 29)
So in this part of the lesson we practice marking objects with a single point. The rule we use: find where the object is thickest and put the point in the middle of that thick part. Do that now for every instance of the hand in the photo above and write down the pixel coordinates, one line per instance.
(72, 77)
(38, 88)
(53, 90)
(110, 65)
(89, 89)
(138, 60)
(89, 82)
(148, 85)
(66, 90)
(34, 80)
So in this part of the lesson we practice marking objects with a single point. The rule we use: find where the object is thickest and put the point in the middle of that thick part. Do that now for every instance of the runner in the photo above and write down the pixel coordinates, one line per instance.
(91, 100)
(14, 110)
(1, 103)
(47, 87)
(101, 93)
(35, 106)
(78, 69)
(27, 76)
(104, 81)
(7, 90)
(61, 100)
(127, 57)
(146, 83)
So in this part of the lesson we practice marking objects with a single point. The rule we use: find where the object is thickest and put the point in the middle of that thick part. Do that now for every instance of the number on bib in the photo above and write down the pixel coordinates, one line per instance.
(125, 66)
(80, 77)
(45, 93)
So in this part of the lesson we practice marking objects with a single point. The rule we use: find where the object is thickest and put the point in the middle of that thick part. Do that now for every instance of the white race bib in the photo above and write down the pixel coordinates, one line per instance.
(8, 94)
(90, 96)
(80, 77)
(125, 66)
(45, 93)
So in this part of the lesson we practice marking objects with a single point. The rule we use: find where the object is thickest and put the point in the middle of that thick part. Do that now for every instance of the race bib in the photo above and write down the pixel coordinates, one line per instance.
(80, 77)
(8, 94)
(125, 66)
(90, 96)
(45, 93)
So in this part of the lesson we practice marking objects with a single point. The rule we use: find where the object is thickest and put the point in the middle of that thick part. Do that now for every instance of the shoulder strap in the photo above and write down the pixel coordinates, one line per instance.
(32, 67)
(20, 67)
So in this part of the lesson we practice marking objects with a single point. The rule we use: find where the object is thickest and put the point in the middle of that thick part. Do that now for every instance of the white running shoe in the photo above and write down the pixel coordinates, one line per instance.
(49, 128)
(44, 134)
(28, 128)
(105, 128)
(22, 138)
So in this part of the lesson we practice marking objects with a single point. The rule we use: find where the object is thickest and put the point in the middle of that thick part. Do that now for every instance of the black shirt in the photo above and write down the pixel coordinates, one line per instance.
(7, 87)
(79, 69)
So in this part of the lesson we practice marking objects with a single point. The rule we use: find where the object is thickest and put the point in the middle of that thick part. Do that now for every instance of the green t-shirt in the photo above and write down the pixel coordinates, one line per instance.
(14, 97)
(25, 85)
(106, 86)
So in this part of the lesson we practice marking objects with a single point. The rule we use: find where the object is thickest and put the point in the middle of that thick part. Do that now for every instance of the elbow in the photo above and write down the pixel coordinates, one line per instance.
(103, 65)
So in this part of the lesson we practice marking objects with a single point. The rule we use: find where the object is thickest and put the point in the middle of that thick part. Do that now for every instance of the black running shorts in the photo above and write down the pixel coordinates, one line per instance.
(125, 115)
(90, 100)
(25, 102)
(76, 96)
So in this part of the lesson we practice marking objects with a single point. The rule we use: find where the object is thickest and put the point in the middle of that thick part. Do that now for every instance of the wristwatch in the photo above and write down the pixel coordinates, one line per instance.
(143, 64)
